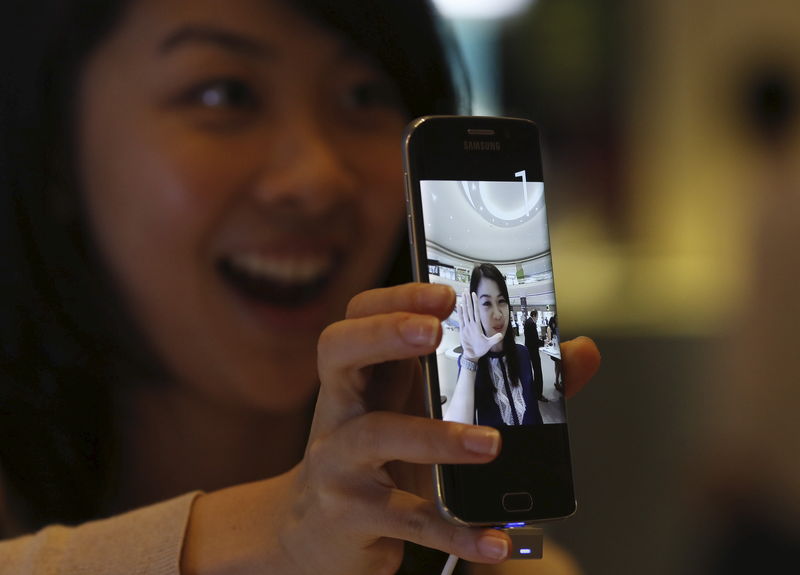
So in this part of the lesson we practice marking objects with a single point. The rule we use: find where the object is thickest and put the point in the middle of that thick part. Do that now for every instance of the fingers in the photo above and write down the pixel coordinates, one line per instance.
(410, 518)
(466, 307)
(347, 348)
(351, 345)
(380, 437)
(495, 339)
(347, 466)
(580, 360)
(434, 299)
(461, 315)
(473, 309)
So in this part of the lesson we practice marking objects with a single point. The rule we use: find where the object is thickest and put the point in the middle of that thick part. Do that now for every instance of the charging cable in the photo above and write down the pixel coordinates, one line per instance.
(450, 565)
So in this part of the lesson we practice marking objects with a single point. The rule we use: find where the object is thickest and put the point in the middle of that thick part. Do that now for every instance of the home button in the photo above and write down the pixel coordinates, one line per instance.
(519, 501)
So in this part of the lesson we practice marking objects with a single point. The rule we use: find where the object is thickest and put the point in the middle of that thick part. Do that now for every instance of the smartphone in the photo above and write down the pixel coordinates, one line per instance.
(478, 222)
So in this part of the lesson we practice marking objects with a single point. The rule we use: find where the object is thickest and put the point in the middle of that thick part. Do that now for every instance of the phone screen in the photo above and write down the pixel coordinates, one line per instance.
(478, 223)
(491, 237)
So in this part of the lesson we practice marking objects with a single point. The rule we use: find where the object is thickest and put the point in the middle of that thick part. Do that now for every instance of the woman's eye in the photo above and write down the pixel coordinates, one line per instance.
(219, 104)
(225, 94)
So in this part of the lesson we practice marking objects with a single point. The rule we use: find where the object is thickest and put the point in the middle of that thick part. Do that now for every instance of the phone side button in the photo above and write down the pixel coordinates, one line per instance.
(517, 502)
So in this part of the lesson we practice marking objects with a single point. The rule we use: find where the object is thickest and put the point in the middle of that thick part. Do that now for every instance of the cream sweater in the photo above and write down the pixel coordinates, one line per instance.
(146, 541)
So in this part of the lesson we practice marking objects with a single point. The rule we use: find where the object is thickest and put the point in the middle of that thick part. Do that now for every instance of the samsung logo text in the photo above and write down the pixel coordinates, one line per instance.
(480, 146)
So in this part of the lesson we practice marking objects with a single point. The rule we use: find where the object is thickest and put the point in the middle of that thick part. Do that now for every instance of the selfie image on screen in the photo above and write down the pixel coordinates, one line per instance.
(499, 360)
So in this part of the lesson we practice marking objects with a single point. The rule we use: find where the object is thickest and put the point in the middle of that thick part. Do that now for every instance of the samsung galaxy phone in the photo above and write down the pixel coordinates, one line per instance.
(478, 222)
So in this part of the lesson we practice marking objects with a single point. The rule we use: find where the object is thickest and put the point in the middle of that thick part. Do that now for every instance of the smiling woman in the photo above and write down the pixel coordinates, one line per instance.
(217, 189)
(237, 183)
(192, 194)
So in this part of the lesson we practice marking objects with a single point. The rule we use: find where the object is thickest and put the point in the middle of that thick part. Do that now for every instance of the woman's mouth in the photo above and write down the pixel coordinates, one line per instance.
(285, 280)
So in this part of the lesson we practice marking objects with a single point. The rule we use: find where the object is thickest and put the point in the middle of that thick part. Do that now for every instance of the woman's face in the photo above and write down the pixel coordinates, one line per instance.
(242, 178)
(493, 309)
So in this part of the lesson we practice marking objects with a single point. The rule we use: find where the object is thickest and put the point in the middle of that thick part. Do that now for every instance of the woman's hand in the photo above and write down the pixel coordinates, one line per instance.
(350, 502)
(346, 508)
(474, 342)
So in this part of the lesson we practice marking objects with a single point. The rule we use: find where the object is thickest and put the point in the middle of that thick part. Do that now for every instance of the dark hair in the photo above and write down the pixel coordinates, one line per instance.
(490, 272)
(64, 333)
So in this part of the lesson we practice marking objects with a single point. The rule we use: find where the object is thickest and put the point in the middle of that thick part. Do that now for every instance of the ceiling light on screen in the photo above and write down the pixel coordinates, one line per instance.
(505, 204)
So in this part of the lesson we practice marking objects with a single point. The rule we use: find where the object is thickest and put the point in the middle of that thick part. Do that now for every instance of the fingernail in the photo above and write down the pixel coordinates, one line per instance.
(493, 547)
(420, 330)
(434, 297)
(482, 440)
(443, 293)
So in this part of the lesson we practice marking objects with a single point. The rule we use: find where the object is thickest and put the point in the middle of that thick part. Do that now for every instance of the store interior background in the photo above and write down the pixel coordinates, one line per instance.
(668, 126)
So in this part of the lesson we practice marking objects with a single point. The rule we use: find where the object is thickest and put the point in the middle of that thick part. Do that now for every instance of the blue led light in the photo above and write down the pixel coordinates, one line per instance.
(512, 525)
(525, 551)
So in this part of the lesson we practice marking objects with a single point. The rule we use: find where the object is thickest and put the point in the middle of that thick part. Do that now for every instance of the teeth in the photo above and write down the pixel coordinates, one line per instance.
(286, 270)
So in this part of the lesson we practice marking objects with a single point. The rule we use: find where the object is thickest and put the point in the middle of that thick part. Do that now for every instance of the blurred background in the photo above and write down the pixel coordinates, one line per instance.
(671, 138)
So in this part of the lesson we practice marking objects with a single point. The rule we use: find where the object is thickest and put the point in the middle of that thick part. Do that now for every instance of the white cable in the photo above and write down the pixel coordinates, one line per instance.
(450, 565)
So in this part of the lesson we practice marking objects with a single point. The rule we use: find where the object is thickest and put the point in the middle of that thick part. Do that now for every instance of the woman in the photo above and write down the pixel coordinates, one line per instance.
(495, 384)
(192, 191)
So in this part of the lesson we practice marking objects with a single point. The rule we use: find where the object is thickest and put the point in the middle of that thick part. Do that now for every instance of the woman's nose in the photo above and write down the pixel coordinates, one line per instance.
(306, 169)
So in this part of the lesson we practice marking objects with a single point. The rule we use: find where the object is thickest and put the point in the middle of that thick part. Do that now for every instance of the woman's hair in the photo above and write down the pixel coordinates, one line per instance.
(490, 272)
(64, 333)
